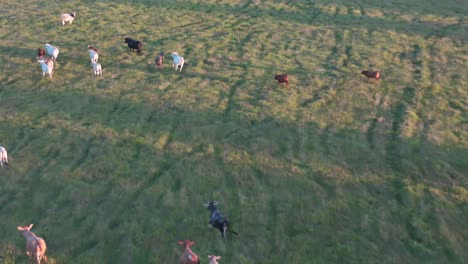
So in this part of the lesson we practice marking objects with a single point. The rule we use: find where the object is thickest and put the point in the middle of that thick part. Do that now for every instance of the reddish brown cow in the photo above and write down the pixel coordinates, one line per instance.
(40, 53)
(188, 257)
(372, 75)
(282, 79)
(159, 60)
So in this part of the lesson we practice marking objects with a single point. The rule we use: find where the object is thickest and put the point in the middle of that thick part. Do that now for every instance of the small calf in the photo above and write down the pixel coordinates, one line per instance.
(93, 56)
(3, 156)
(282, 79)
(372, 75)
(159, 61)
(213, 259)
(97, 69)
(35, 246)
(68, 18)
(188, 257)
(47, 66)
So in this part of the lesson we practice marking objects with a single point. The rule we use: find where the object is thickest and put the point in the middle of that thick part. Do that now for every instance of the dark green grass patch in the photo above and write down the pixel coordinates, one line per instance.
(333, 168)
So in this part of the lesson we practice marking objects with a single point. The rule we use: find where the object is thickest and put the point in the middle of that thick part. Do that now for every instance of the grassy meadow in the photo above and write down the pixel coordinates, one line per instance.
(334, 168)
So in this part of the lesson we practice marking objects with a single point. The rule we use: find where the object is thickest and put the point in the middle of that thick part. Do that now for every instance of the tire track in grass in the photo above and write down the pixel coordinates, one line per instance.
(231, 101)
(409, 98)
(394, 155)
(88, 145)
(370, 132)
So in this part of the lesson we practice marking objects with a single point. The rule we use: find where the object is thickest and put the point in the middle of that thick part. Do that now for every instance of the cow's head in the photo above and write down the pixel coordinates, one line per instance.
(186, 244)
(211, 205)
(25, 228)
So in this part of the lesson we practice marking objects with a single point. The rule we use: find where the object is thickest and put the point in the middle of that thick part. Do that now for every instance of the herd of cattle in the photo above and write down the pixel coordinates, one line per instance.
(47, 64)
(36, 246)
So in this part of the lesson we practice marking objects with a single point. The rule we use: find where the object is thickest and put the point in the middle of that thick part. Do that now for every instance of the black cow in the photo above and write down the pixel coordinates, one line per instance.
(217, 219)
(133, 44)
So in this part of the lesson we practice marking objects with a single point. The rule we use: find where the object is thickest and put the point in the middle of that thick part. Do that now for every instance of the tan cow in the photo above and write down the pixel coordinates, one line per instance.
(35, 246)
(213, 259)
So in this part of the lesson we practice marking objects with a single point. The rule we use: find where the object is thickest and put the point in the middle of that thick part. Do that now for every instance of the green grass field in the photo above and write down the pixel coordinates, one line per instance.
(333, 169)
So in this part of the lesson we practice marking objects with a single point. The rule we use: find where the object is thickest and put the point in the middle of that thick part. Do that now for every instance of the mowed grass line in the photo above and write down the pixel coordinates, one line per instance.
(334, 168)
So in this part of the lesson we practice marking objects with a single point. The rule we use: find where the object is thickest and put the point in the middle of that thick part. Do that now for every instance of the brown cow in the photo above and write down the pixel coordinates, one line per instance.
(372, 75)
(188, 257)
(35, 246)
(40, 53)
(282, 79)
(159, 60)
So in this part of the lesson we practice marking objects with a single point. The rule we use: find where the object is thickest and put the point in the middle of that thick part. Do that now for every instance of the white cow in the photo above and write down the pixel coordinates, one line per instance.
(52, 51)
(3, 156)
(93, 55)
(97, 69)
(68, 18)
(177, 61)
(47, 67)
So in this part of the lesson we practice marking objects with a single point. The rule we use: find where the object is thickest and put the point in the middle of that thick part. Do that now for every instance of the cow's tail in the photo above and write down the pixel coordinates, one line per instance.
(139, 47)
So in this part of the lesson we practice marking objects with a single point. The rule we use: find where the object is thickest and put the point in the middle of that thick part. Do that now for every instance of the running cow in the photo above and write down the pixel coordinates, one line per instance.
(218, 219)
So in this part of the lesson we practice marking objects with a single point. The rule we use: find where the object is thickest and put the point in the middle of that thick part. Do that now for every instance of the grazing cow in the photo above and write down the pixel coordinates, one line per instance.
(282, 79)
(97, 69)
(52, 51)
(47, 66)
(159, 60)
(213, 259)
(188, 257)
(217, 219)
(93, 56)
(68, 18)
(35, 246)
(40, 53)
(177, 61)
(3, 156)
(133, 44)
(372, 75)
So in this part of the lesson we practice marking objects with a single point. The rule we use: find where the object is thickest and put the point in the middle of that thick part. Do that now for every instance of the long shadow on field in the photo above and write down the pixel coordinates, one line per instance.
(108, 146)
(131, 119)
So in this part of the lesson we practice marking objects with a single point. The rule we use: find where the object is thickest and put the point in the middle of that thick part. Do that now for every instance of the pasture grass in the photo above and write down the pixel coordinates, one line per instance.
(332, 169)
